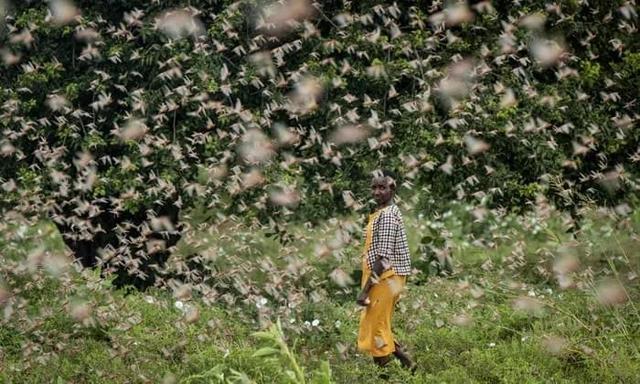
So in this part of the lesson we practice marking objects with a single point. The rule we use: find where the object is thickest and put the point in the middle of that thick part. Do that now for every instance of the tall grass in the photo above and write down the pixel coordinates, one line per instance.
(511, 313)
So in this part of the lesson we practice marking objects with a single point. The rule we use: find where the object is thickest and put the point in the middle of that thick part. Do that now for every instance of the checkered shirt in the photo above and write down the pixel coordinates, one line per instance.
(390, 241)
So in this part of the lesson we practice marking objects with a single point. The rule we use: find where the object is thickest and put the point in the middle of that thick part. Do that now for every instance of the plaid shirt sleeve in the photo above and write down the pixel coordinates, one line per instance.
(390, 241)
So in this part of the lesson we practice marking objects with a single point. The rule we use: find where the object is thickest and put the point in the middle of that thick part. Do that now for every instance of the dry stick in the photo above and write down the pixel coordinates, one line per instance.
(388, 82)
(174, 124)
(574, 317)
(325, 16)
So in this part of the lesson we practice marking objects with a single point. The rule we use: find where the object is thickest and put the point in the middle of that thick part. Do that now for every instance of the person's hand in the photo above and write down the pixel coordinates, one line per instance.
(363, 299)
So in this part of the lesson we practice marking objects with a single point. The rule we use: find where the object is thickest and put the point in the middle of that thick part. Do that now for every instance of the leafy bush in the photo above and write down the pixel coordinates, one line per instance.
(112, 119)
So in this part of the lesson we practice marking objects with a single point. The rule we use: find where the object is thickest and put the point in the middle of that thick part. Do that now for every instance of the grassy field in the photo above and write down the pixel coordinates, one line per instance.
(528, 303)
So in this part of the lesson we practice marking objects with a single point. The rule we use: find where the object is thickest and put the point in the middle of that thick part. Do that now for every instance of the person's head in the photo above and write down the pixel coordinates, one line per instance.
(383, 187)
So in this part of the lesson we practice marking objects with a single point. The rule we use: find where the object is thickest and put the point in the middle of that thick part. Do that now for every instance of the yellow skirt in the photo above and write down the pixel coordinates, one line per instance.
(375, 336)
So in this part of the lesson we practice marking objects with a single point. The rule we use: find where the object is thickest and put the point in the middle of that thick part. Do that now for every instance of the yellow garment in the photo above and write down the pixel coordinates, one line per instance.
(374, 335)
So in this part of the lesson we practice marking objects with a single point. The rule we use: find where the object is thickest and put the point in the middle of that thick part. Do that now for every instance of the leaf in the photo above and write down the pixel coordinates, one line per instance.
(323, 375)
(263, 335)
(241, 377)
(266, 352)
(291, 374)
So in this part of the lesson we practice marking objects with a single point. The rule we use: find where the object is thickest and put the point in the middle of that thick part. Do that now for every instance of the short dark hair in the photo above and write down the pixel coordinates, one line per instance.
(387, 173)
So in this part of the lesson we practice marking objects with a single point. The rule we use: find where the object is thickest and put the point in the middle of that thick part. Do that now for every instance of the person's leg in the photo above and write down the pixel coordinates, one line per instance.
(399, 352)
(382, 362)
(405, 359)
(374, 334)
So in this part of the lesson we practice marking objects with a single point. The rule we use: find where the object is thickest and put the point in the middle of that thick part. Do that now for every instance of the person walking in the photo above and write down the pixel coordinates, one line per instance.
(386, 264)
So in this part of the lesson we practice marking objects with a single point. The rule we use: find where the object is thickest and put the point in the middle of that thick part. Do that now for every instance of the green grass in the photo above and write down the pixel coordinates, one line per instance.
(143, 337)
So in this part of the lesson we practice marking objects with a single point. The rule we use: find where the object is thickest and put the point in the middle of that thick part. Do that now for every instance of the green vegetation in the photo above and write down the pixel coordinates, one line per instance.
(183, 185)
(138, 107)
(503, 317)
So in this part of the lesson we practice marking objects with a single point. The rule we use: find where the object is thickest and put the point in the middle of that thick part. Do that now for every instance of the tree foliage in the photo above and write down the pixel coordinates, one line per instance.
(117, 115)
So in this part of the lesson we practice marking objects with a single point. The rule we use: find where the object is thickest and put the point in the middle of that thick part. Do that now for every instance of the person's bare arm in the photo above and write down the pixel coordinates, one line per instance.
(382, 248)
(379, 267)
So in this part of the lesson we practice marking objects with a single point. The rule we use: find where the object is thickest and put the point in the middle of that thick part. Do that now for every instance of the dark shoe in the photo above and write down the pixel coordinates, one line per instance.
(404, 358)
(382, 362)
